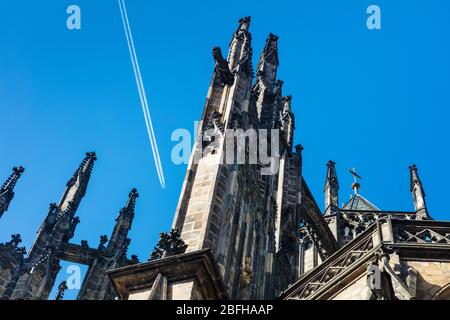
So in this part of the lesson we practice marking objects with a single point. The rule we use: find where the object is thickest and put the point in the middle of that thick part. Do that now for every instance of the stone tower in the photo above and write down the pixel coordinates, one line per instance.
(238, 216)
(230, 208)
(96, 284)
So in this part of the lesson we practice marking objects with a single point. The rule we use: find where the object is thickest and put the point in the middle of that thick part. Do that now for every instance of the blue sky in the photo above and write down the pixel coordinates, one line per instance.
(376, 100)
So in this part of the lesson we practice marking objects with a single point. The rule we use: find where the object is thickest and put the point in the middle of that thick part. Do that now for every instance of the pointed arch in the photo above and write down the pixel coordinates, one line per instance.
(443, 293)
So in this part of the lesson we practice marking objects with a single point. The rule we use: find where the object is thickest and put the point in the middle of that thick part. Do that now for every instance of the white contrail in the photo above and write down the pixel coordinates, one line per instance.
(141, 89)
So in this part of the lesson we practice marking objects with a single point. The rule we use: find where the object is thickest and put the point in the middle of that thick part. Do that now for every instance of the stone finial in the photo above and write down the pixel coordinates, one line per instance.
(272, 37)
(331, 188)
(244, 23)
(332, 178)
(61, 290)
(287, 105)
(83, 173)
(12, 246)
(414, 177)
(168, 245)
(103, 240)
(246, 19)
(418, 193)
(15, 240)
(76, 188)
(287, 99)
(134, 259)
(12, 180)
(270, 51)
(128, 210)
(87, 164)
(7, 189)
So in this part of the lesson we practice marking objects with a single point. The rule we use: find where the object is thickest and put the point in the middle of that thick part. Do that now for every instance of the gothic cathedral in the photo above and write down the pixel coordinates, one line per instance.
(239, 233)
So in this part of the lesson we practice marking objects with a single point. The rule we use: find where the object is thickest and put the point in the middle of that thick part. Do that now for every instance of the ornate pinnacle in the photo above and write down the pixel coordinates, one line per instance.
(268, 64)
(134, 259)
(85, 168)
(244, 23)
(130, 205)
(168, 245)
(270, 51)
(12, 180)
(118, 242)
(87, 163)
(287, 108)
(278, 88)
(332, 178)
(272, 37)
(299, 148)
(414, 177)
(13, 245)
(7, 189)
(103, 240)
(418, 193)
(245, 19)
(15, 240)
(77, 185)
(61, 290)
(124, 250)
(52, 214)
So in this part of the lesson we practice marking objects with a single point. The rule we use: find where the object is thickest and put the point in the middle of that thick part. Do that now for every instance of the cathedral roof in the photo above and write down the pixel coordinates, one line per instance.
(358, 202)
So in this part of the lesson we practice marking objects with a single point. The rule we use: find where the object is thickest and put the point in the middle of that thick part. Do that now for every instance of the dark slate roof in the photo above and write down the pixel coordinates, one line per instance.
(358, 202)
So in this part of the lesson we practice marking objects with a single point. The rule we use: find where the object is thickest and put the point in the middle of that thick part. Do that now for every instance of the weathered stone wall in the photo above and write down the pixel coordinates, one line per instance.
(232, 209)
(5, 278)
(357, 290)
(432, 276)
(184, 291)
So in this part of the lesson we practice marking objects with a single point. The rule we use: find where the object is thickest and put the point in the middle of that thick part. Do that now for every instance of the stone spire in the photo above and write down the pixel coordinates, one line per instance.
(43, 262)
(123, 224)
(240, 53)
(7, 189)
(77, 185)
(67, 207)
(288, 120)
(418, 194)
(268, 63)
(96, 284)
(267, 90)
(11, 260)
(227, 106)
(270, 51)
(331, 188)
(61, 290)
